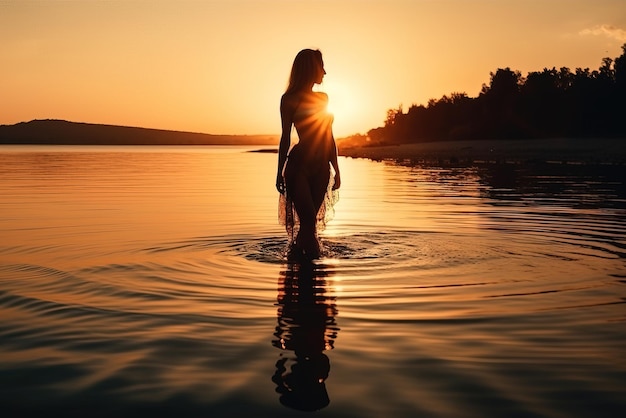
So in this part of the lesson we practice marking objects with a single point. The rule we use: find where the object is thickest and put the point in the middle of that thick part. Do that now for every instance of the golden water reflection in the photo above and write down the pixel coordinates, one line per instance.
(306, 328)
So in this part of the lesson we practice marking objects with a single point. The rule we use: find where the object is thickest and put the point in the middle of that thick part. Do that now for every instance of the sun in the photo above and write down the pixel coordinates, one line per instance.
(343, 103)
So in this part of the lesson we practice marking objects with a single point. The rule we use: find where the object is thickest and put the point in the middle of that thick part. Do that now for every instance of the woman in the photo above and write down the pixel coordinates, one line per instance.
(304, 176)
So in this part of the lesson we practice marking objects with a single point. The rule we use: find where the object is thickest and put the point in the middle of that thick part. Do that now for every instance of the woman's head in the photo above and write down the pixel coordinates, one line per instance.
(307, 69)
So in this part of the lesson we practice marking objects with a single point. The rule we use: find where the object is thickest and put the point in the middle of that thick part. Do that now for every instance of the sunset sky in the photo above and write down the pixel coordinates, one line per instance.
(220, 66)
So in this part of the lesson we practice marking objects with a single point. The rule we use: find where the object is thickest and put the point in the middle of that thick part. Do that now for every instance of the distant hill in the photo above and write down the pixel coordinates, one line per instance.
(60, 132)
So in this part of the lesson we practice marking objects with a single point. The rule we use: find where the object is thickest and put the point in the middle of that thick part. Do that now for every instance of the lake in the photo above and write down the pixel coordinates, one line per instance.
(153, 280)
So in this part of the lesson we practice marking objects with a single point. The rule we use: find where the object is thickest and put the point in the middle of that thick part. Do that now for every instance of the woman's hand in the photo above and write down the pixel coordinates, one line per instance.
(280, 184)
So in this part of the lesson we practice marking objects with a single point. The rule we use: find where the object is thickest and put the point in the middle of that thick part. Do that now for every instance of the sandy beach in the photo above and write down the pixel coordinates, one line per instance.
(562, 150)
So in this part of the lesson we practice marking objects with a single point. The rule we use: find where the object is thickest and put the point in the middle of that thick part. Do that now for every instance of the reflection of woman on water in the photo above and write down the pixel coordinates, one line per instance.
(304, 177)
(307, 327)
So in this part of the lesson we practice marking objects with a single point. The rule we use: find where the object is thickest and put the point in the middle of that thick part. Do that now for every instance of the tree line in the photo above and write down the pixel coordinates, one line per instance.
(544, 104)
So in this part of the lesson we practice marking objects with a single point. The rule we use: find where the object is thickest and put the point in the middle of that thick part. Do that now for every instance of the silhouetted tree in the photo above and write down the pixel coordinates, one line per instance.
(619, 67)
(547, 103)
(499, 101)
(543, 105)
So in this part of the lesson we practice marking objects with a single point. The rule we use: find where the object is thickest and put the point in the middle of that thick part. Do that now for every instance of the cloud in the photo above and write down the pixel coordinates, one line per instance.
(606, 30)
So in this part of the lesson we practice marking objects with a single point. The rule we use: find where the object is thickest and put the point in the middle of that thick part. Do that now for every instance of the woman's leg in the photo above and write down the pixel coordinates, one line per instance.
(319, 187)
(315, 191)
(300, 191)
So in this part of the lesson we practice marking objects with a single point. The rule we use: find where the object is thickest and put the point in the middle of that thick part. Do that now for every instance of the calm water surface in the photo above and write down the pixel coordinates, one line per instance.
(147, 279)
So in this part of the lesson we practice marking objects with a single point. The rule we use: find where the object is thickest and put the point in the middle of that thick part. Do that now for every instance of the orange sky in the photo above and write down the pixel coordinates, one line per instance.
(220, 66)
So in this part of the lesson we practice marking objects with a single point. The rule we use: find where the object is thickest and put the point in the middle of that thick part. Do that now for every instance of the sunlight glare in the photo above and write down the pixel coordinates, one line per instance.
(343, 104)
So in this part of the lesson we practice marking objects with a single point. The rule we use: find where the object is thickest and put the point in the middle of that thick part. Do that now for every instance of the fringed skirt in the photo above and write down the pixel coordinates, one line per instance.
(288, 216)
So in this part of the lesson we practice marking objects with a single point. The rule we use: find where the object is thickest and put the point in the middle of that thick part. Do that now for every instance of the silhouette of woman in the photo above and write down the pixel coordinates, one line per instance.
(304, 176)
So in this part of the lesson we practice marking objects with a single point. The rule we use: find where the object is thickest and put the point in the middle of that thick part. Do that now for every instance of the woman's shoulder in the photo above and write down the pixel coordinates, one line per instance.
(297, 95)
(293, 100)
(289, 99)
(289, 102)
(291, 96)
(317, 98)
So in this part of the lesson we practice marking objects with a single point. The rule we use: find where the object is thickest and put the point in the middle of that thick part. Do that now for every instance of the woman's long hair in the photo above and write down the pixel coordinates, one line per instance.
(304, 69)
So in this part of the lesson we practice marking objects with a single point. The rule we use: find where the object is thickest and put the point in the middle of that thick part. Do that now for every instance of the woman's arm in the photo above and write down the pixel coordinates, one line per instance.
(286, 117)
(333, 146)
(333, 162)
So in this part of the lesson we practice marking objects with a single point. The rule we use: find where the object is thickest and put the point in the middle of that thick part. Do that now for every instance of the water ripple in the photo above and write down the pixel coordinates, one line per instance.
(494, 291)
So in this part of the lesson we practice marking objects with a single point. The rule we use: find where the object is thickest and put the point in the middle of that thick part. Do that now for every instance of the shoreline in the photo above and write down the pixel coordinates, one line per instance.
(611, 151)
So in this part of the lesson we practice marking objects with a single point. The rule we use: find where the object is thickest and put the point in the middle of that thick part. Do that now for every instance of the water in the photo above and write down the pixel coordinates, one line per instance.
(153, 280)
